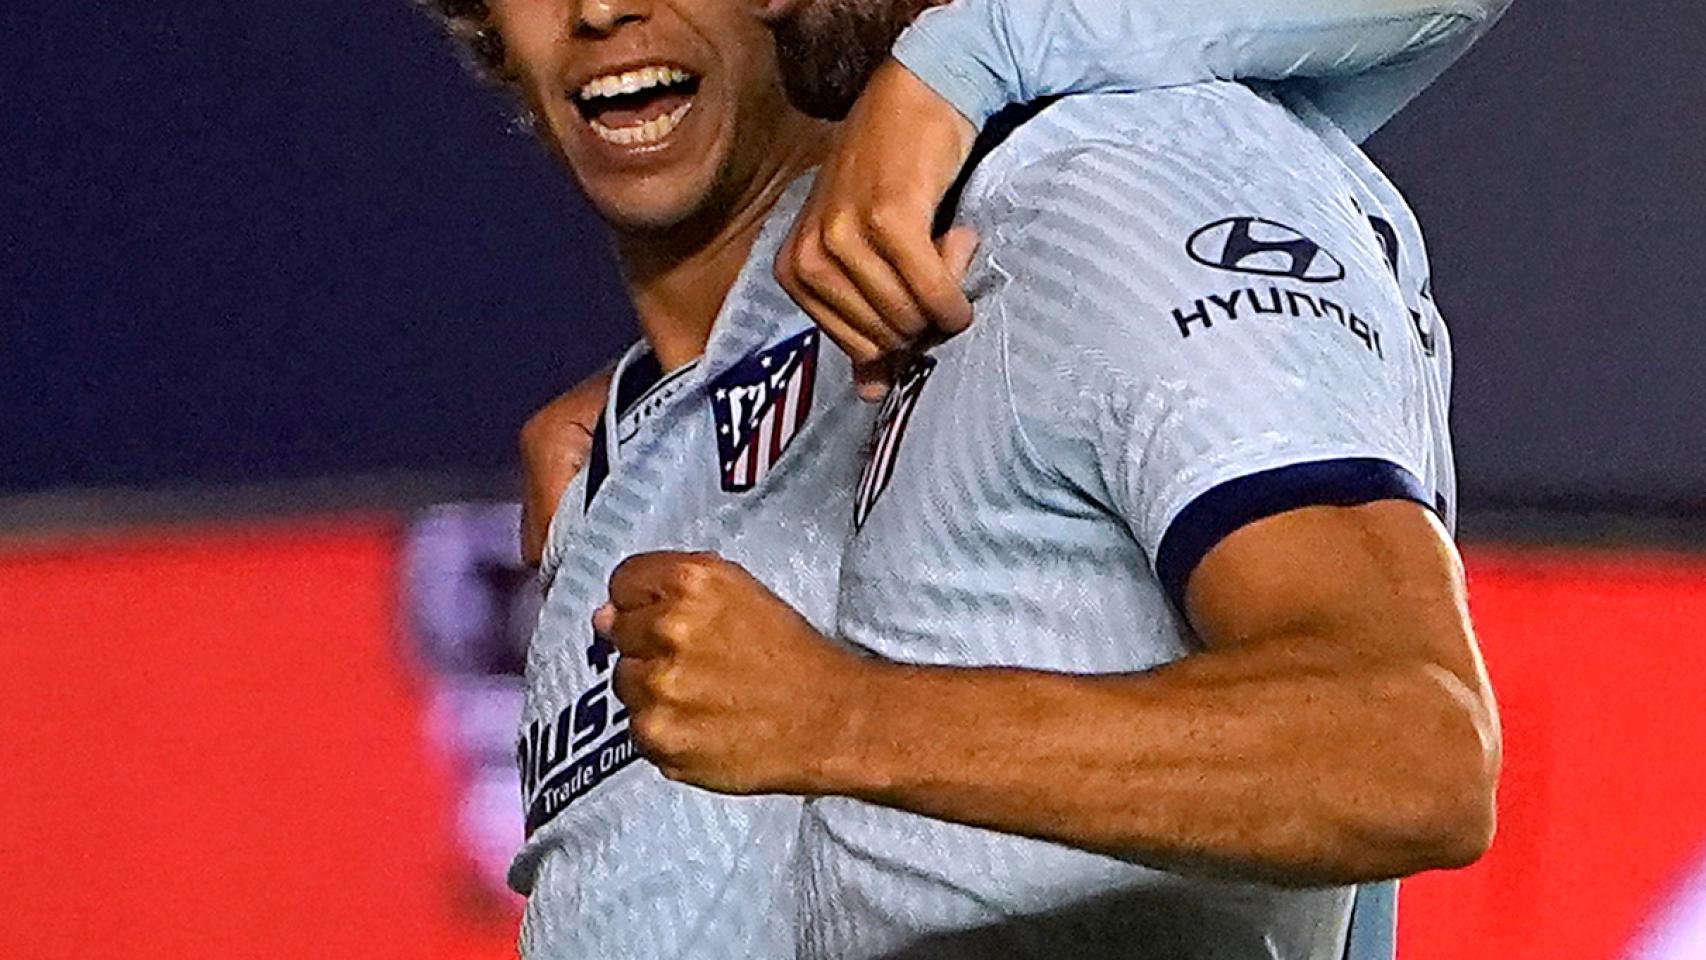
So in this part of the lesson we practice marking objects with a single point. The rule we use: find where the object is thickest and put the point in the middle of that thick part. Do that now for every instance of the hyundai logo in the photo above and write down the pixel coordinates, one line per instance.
(1264, 248)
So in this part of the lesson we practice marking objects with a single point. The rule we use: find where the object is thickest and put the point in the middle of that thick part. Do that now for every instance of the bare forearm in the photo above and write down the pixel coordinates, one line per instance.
(1258, 765)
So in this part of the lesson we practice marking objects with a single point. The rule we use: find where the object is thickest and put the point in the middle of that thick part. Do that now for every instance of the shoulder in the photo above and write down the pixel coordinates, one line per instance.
(1113, 162)
(1196, 132)
(1185, 260)
(1107, 210)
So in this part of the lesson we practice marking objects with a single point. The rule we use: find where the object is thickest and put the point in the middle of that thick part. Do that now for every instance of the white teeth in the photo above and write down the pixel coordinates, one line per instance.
(632, 81)
(645, 134)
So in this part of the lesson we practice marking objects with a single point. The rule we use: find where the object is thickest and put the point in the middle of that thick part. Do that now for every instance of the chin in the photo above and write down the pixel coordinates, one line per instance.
(653, 207)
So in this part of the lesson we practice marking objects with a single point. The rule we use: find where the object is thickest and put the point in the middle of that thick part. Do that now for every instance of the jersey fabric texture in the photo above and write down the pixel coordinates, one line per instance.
(1194, 307)
(1364, 58)
(751, 452)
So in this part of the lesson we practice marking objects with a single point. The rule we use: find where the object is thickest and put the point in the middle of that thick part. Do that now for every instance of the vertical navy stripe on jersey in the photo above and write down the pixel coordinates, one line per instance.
(598, 462)
(636, 380)
(638, 377)
(1217, 514)
(995, 133)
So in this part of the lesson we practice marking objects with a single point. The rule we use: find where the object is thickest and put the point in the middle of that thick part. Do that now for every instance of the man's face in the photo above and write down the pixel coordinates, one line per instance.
(828, 49)
(664, 110)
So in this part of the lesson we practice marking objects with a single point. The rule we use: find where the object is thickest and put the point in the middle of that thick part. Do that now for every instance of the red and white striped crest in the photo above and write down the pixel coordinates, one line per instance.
(887, 435)
(761, 404)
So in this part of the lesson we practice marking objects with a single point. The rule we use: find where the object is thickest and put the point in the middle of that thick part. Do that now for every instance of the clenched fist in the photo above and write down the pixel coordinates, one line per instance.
(728, 687)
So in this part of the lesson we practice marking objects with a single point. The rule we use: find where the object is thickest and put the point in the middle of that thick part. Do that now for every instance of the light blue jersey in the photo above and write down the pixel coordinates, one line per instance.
(1194, 308)
(750, 452)
(1362, 59)
(620, 863)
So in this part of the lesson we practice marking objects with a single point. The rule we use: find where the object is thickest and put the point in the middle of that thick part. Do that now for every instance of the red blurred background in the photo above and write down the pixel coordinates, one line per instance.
(212, 744)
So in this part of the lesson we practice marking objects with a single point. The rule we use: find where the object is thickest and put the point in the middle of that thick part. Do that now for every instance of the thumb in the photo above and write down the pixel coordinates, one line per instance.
(873, 381)
(958, 247)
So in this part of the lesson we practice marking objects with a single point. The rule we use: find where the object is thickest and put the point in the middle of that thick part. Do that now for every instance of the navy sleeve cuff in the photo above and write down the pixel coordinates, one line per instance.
(1235, 504)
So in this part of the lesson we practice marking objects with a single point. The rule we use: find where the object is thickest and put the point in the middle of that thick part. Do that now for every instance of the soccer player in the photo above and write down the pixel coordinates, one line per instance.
(1170, 639)
(672, 119)
(737, 434)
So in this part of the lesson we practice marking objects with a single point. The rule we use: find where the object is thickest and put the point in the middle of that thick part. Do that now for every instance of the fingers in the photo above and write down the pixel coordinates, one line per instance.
(818, 284)
(873, 381)
(958, 247)
(857, 248)
(901, 242)
(651, 632)
(857, 295)
(861, 259)
(647, 578)
(879, 273)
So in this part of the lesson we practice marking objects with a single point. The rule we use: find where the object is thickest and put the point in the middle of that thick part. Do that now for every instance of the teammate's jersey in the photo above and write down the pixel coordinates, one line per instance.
(1194, 308)
(1363, 59)
(750, 452)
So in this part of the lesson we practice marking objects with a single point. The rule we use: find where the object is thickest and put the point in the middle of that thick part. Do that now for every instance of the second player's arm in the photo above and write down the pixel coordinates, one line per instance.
(984, 54)
(1338, 728)
(554, 445)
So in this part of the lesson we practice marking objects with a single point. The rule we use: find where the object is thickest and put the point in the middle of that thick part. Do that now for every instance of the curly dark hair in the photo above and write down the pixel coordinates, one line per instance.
(470, 23)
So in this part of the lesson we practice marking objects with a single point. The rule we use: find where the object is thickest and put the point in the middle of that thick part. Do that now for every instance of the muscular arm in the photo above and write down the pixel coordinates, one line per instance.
(1338, 727)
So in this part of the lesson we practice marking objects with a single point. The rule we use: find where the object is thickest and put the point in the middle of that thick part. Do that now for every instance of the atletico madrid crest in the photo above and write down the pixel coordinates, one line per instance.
(761, 405)
(886, 436)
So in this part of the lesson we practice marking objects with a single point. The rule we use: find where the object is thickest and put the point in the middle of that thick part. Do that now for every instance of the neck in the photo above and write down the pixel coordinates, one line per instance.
(679, 279)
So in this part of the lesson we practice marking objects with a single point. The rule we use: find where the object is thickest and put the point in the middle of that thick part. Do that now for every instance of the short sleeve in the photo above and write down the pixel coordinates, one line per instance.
(1367, 57)
(1201, 333)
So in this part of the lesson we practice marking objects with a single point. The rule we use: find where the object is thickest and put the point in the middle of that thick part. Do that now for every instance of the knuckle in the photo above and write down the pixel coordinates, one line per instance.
(675, 687)
(886, 340)
(659, 735)
(664, 686)
(901, 324)
(883, 216)
(909, 319)
(809, 266)
(628, 567)
(650, 730)
(630, 690)
(865, 353)
(674, 628)
(693, 573)
(842, 231)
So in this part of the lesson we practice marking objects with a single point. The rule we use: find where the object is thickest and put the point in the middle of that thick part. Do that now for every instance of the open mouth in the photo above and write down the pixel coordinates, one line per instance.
(637, 107)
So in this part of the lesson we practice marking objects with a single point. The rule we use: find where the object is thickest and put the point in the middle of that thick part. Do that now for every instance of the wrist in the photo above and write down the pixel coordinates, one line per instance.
(895, 89)
(851, 760)
(955, 51)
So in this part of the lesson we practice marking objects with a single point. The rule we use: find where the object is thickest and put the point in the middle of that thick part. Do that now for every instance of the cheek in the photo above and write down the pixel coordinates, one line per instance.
(747, 54)
(530, 29)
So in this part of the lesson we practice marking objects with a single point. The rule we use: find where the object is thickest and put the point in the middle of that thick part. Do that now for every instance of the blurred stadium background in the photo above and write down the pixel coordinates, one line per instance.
(279, 285)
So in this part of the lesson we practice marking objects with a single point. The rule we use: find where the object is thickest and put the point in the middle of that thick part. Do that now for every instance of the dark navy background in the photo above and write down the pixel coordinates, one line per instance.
(266, 241)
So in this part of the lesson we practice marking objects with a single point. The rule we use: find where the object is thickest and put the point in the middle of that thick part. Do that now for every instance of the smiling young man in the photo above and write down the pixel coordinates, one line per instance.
(671, 117)
(731, 428)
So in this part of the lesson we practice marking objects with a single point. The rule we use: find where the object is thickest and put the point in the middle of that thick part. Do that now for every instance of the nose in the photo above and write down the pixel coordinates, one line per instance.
(603, 17)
